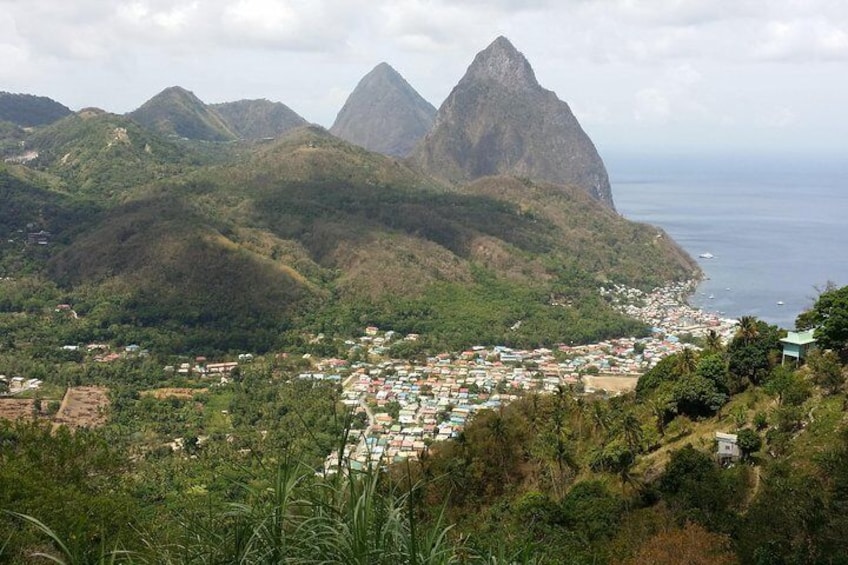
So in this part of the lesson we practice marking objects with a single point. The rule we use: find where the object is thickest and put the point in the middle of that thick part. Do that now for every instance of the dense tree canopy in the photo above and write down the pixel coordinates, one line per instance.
(829, 317)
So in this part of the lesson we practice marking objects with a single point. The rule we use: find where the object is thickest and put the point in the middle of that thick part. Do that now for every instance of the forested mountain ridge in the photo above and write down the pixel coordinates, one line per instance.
(358, 237)
(258, 119)
(27, 110)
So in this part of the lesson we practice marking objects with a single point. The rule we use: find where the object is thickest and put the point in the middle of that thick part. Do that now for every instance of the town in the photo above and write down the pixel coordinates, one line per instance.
(400, 407)
(408, 406)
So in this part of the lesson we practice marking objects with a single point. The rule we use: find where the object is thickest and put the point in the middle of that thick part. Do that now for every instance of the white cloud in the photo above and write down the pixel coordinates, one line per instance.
(675, 94)
(802, 40)
(698, 63)
(778, 117)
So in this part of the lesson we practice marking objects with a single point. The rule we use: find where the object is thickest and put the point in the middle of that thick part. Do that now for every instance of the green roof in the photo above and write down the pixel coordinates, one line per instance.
(799, 338)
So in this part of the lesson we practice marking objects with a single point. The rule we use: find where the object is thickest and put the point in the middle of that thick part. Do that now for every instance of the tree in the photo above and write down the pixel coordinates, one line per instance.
(751, 352)
(749, 442)
(748, 329)
(694, 487)
(631, 429)
(696, 396)
(713, 368)
(827, 370)
(664, 371)
(713, 343)
(788, 386)
(829, 315)
(687, 361)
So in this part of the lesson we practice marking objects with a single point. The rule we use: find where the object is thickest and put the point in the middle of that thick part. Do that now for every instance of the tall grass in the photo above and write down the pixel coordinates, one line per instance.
(352, 518)
(300, 518)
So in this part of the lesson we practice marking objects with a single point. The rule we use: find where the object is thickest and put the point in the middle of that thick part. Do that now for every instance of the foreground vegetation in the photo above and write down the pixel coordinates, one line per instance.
(558, 478)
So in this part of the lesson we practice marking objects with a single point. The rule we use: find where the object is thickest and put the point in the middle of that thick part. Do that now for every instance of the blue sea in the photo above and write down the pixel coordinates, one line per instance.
(776, 226)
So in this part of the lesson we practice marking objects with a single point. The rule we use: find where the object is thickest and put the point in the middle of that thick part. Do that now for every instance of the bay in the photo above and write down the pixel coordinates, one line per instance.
(775, 225)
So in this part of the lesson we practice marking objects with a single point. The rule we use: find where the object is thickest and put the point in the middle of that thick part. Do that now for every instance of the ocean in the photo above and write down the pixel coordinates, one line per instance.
(776, 226)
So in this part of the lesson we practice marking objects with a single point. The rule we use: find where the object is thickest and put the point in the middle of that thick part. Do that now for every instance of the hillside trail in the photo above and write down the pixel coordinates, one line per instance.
(754, 490)
(62, 407)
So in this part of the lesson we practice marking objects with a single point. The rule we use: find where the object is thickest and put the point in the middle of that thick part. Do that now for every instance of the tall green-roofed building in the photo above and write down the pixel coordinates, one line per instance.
(797, 345)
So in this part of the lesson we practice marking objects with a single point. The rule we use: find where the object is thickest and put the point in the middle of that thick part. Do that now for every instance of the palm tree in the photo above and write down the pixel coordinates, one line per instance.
(687, 361)
(748, 329)
(600, 418)
(713, 342)
(631, 428)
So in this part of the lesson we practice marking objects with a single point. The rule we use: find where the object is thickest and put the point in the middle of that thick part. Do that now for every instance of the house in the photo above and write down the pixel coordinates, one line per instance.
(796, 345)
(727, 448)
(38, 238)
(219, 368)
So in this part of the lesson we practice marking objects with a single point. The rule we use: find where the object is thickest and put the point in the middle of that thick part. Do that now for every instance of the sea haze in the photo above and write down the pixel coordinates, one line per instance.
(775, 225)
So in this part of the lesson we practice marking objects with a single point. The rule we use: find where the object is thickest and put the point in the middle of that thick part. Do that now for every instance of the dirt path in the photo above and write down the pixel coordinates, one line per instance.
(754, 490)
(62, 407)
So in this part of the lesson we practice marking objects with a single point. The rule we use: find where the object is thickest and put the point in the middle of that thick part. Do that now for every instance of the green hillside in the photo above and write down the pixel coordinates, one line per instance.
(27, 110)
(104, 155)
(258, 119)
(30, 205)
(362, 239)
(178, 112)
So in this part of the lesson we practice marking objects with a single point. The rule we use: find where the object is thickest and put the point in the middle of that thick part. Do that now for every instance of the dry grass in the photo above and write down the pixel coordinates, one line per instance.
(83, 407)
(181, 393)
(17, 409)
(609, 383)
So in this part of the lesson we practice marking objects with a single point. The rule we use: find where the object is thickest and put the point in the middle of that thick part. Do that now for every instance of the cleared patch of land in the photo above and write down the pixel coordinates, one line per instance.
(181, 393)
(17, 409)
(613, 384)
(83, 407)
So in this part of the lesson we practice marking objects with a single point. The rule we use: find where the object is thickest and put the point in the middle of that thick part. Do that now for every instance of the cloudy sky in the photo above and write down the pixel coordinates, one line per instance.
(641, 75)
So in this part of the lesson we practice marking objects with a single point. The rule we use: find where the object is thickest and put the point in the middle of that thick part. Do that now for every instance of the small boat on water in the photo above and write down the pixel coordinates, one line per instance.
(780, 302)
(711, 296)
(706, 255)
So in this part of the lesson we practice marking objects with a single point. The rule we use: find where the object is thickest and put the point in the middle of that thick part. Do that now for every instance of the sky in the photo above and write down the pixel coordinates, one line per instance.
(649, 76)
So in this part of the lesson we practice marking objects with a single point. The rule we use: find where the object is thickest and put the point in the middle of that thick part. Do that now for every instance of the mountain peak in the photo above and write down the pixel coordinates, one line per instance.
(498, 120)
(177, 111)
(502, 63)
(384, 113)
(258, 119)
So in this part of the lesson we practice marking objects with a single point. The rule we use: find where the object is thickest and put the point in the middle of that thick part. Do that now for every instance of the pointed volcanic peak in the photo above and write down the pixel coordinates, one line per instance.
(499, 120)
(27, 110)
(258, 119)
(384, 114)
(178, 112)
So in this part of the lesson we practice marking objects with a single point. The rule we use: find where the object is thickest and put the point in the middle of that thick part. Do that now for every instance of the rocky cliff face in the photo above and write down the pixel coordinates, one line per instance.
(384, 114)
(499, 120)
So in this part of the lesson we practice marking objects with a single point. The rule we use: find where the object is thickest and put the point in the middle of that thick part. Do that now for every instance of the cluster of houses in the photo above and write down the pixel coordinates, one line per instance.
(203, 368)
(408, 406)
(666, 311)
(15, 385)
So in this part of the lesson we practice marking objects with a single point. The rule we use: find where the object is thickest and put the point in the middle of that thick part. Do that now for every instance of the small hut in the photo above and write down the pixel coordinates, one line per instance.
(727, 448)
